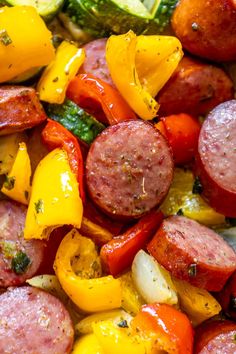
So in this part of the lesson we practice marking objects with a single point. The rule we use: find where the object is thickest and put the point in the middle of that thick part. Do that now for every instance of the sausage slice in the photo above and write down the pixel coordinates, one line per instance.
(129, 169)
(20, 109)
(207, 28)
(215, 337)
(216, 159)
(33, 321)
(19, 258)
(193, 252)
(204, 84)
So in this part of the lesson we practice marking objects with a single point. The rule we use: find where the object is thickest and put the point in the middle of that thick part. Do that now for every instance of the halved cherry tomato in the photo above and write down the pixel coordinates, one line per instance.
(55, 135)
(100, 98)
(170, 329)
(182, 132)
(118, 254)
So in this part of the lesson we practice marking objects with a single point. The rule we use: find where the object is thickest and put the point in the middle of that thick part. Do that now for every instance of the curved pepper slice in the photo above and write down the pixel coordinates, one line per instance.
(90, 295)
(56, 77)
(55, 199)
(120, 56)
(54, 135)
(118, 254)
(86, 87)
(156, 59)
(17, 184)
(25, 41)
(169, 328)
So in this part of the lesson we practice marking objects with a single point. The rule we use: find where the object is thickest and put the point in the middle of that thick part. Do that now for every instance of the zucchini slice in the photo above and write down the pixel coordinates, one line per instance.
(112, 16)
(47, 9)
(161, 11)
(76, 120)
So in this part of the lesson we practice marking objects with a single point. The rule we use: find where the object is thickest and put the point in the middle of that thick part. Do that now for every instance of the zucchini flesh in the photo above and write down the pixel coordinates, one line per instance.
(76, 120)
(47, 9)
(161, 11)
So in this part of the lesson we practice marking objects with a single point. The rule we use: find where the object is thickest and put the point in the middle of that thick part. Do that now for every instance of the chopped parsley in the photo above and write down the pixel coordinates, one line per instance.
(39, 206)
(180, 212)
(20, 263)
(5, 39)
(9, 183)
(192, 270)
(197, 186)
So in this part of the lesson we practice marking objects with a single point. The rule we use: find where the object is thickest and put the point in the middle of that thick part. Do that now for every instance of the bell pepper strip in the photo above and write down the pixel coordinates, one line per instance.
(197, 303)
(89, 294)
(131, 299)
(156, 59)
(87, 344)
(182, 132)
(55, 79)
(17, 184)
(181, 199)
(54, 135)
(118, 254)
(106, 97)
(169, 328)
(120, 57)
(98, 234)
(55, 199)
(117, 339)
(97, 217)
(25, 46)
(116, 316)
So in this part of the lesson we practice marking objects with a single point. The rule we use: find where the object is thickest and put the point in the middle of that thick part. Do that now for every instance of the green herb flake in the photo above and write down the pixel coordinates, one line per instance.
(26, 193)
(5, 39)
(9, 183)
(39, 206)
(123, 324)
(197, 186)
(192, 270)
(234, 338)
(180, 212)
(20, 263)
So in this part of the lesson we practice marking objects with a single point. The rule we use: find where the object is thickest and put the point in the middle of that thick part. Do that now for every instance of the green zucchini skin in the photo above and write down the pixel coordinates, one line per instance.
(47, 12)
(101, 18)
(84, 126)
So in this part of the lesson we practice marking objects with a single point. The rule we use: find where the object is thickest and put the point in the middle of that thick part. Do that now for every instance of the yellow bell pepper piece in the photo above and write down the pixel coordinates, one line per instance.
(9, 145)
(87, 344)
(116, 316)
(120, 56)
(198, 304)
(55, 198)
(116, 340)
(56, 77)
(90, 295)
(180, 196)
(17, 185)
(156, 59)
(131, 299)
(25, 41)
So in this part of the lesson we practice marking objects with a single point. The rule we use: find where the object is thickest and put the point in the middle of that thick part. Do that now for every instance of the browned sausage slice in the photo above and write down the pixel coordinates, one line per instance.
(215, 337)
(95, 61)
(129, 169)
(216, 159)
(193, 252)
(207, 28)
(33, 321)
(204, 85)
(20, 109)
(19, 258)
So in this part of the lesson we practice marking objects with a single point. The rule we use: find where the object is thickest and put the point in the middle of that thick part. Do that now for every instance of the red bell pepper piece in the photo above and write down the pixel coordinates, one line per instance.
(182, 132)
(54, 135)
(170, 328)
(96, 95)
(118, 254)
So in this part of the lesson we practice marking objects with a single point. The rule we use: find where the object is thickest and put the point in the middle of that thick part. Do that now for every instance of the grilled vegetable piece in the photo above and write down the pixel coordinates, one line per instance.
(46, 9)
(161, 11)
(83, 125)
